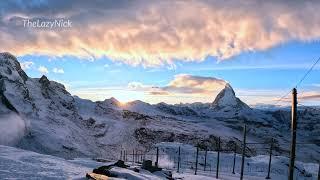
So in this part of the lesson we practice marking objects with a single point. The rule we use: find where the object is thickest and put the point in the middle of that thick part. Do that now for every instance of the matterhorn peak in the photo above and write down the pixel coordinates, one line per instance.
(227, 98)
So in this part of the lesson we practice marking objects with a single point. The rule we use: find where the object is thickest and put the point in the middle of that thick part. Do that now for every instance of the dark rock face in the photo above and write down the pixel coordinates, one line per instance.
(148, 137)
(44, 81)
(134, 115)
(147, 165)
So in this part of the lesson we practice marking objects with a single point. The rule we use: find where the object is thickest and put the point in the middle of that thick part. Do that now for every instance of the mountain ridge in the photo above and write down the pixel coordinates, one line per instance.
(60, 124)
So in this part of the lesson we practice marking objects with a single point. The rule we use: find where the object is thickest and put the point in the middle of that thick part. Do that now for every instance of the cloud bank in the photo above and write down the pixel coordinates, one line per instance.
(182, 85)
(155, 33)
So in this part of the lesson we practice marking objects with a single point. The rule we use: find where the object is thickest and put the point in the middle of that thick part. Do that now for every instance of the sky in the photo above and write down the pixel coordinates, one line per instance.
(168, 51)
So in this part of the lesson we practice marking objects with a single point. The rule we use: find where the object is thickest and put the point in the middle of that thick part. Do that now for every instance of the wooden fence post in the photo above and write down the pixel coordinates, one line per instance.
(270, 157)
(205, 160)
(234, 158)
(133, 157)
(195, 172)
(218, 159)
(243, 151)
(179, 158)
(157, 158)
(319, 172)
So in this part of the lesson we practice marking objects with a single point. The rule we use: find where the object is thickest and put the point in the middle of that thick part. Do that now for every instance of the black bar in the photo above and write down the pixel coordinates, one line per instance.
(218, 159)
(195, 172)
(121, 155)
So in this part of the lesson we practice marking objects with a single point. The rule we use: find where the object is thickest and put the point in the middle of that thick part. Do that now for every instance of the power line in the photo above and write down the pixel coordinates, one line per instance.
(302, 79)
(283, 97)
(307, 73)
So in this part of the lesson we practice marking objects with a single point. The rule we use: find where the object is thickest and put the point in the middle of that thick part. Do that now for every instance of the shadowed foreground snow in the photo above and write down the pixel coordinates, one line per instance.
(21, 164)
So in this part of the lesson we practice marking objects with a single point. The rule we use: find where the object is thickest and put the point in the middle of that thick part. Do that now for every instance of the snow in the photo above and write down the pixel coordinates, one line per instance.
(255, 167)
(228, 98)
(59, 124)
(21, 164)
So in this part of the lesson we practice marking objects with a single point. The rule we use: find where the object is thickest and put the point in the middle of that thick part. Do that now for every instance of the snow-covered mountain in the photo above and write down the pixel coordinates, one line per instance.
(52, 121)
(227, 99)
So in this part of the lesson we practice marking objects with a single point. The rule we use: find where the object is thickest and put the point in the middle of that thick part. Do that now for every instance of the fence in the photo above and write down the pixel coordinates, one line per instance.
(183, 158)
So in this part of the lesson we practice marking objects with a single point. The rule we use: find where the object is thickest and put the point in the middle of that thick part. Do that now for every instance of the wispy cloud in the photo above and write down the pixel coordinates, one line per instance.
(43, 70)
(26, 65)
(58, 70)
(155, 33)
(309, 96)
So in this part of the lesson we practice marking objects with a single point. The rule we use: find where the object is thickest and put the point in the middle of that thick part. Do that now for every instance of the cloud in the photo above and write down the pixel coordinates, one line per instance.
(310, 96)
(43, 70)
(58, 70)
(316, 85)
(189, 84)
(184, 84)
(156, 33)
(26, 65)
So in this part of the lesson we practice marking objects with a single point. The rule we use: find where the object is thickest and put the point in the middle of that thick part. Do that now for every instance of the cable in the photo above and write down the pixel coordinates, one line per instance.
(302, 79)
(283, 97)
(305, 75)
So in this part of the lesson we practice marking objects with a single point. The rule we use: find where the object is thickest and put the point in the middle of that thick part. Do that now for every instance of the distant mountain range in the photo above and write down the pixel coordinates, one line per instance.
(41, 115)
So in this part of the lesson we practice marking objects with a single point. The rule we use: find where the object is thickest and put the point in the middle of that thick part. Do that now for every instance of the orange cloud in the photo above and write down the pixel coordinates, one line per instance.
(182, 85)
(156, 33)
(189, 84)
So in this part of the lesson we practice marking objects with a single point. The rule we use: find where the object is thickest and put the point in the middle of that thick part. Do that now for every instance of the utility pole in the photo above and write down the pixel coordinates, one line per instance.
(243, 150)
(293, 133)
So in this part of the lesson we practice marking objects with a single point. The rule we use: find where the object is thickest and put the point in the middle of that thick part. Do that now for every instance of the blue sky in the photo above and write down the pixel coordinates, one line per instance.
(171, 51)
(273, 72)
